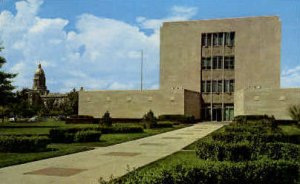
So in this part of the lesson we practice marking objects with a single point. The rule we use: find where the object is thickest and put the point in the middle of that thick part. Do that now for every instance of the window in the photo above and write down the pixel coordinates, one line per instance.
(206, 63)
(226, 86)
(229, 39)
(203, 86)
(229, 62)
(231, 87)
(206, 39)
(220, 84)
(218, 39)
(208, 86)
(214, 86)
(217, 62)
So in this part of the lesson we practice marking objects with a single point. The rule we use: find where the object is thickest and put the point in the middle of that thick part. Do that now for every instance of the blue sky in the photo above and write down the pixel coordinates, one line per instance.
(96, 43)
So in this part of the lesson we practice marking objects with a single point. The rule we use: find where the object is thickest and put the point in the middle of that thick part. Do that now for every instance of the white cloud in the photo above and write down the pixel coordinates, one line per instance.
(100, 53)
(177, 13)
(291, 77)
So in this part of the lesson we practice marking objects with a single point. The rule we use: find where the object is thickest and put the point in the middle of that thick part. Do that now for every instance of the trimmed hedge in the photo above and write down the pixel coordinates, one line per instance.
(66, 135)
(245, 151)
(254, 172)
(255, 129)
(177, 117)
(164, 125)
(23, 143)
(220, 151)
(82, 119)
(87, 136)
(114, 130)
(231, 137)
(280, 150)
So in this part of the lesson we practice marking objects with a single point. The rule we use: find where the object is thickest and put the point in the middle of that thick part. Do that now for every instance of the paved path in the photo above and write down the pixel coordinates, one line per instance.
(87, 167)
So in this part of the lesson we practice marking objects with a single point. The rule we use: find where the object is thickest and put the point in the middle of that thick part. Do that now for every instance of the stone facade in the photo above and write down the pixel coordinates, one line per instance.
(40, 94)
(202, 64)
(274, 102)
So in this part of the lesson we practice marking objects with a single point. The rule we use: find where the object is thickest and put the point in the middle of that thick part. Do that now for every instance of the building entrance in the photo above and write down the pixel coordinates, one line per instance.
(215, 112)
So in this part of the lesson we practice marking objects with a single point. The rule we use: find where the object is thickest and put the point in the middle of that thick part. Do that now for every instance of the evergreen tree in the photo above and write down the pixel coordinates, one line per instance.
(6, 88)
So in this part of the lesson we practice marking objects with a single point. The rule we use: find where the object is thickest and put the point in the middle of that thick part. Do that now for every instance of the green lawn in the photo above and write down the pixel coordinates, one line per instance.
(188, 154)
(7, 159)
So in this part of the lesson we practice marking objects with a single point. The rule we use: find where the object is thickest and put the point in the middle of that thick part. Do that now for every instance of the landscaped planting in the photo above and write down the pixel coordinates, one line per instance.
(255, 172)
(87, 136)
(62, 133)
(252, 150)
(66, 135)
(114, 130)
(23, 143)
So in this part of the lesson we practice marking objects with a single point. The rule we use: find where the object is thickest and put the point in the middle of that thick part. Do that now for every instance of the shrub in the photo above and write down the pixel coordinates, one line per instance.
(280, 150)
(256, 120)
(87, 136)
(149, 120)
(81, 119)
(164, 125)
(65, 135)
(220, 151)
(254, 172)
(294, 112)
(233, 137)
(106, 119)
(23, 143)
(177, 117)
(111, 130)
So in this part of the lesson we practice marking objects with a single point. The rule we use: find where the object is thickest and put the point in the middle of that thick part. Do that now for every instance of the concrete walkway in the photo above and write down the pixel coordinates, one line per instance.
(87, 167)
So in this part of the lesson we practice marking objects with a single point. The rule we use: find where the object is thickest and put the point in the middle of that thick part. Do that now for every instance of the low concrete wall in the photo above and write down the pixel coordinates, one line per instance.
(266, 101)
(131, 103)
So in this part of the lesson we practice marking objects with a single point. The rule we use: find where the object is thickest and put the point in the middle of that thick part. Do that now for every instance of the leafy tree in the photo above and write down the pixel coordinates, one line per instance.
(150, 121)
(73, 102)
(294, 112)
(6, 88)
(106, 119)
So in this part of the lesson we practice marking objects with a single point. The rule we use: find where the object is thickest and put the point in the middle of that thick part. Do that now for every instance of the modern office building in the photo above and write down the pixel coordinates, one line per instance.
(207, 68)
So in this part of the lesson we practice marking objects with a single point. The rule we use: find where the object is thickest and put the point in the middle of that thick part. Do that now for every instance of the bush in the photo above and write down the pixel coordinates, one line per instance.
(149, 120)
(65, 135)
(233, 137)
(294, 112)
(220, 151)
(254, 172)
(81, 119)
(23, 143)
(111, 130)
(106, 119)
(279, 150)
(164, 125)
(87, 136)
(177, 117)
(256, 120)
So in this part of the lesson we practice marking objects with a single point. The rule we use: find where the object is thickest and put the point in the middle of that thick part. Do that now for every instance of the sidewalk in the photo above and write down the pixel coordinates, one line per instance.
(87, 167)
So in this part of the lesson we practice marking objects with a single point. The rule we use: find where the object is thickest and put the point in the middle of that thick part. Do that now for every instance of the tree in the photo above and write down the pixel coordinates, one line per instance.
(6, 88)
(72, 102)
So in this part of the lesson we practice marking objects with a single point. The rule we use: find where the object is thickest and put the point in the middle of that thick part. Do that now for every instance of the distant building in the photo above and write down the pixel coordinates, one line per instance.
(40, 94)
(211, 69)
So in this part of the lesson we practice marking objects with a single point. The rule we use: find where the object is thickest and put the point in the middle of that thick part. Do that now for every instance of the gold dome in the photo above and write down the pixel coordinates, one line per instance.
(40, 70)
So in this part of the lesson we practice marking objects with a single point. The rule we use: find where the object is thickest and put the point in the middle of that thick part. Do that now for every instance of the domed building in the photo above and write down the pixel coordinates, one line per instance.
(39, 94)
(39, 81)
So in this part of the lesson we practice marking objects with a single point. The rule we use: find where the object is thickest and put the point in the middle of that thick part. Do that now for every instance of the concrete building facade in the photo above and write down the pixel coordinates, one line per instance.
(202, 65)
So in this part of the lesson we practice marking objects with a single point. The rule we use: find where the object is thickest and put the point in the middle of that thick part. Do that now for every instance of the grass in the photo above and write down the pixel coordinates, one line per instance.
(8, 159)
(290, 129)
(43, 128)
(188, 154)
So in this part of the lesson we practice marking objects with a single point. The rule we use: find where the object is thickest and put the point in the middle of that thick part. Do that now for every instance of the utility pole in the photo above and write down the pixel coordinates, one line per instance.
(142, 60)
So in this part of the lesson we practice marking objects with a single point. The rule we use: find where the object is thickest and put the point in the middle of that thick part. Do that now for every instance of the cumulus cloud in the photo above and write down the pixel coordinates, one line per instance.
(291, 77)
(177, 13)
(100, 53)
